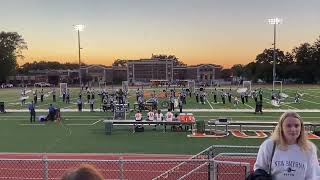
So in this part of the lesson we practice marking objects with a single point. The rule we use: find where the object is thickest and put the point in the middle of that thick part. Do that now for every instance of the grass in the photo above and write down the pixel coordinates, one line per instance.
(84, 132)
(69, 137)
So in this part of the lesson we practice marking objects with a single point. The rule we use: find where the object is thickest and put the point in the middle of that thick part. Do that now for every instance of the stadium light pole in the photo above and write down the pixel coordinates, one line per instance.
(166, 69)
(78, 28)
(274, 22)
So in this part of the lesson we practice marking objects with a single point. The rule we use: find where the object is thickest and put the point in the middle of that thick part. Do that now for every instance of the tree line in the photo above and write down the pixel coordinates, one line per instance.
(300, 65)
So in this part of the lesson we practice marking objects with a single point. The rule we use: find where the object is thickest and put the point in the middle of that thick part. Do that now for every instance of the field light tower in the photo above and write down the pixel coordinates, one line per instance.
(78, 28)
(274, 22)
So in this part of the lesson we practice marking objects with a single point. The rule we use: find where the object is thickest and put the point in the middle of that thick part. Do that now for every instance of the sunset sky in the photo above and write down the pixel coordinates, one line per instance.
(224, 32)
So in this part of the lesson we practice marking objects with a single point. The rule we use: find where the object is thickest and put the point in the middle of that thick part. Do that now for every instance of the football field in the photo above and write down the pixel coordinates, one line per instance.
(83, 132)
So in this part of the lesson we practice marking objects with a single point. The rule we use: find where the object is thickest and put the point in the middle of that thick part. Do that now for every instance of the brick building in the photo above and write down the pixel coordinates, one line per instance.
(144, 70)
(136, 71)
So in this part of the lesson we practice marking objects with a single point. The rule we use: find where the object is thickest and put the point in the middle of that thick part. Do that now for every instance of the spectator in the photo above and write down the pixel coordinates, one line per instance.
(79, 104)
(140, 103)
(159, 117)
(171, 103)
(180, 104)
(258, 107)
(54, 94)
(84, 172)
(64, 95)
(294, 156)
(52, 112)
(91, 102)
(92, 94)
(215, 95)
(32, 111)
(176, 117)
(88, 96)
(68, 96)
(260, 94)
(41, 95)
(138, 116)
(35, 96)
(150, 116)
(169, 115)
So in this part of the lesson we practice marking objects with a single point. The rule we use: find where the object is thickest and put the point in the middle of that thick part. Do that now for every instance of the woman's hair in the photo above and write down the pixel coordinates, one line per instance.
(278, 135)
(84, 172)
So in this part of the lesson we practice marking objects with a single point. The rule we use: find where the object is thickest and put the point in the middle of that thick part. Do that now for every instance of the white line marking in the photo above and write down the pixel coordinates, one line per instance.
(31, 124)
(78, 124)
(309, 101)
(248, 105)
(96, 122)
(209, 104)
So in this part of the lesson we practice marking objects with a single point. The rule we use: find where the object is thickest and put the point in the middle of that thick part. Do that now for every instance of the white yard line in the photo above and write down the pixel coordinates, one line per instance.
(209, 104)
(249, 105)
(307, 94)
(78, 124)
(290, 106)
(313, 89)
(96, 122)
(31, 124)
(282, 104)
(309, 101)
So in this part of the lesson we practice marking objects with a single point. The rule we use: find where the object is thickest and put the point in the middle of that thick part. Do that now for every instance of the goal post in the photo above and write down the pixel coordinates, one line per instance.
(63, 88)
(275, 88)
(125, 86)
(192, 86)
(247, 84)
(102, 85)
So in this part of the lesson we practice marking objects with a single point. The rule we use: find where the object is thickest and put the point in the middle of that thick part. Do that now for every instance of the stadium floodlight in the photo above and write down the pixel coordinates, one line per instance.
(78, 28)
(274, 22)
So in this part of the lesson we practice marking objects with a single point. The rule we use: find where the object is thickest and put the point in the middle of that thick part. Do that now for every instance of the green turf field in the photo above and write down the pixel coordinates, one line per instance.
(310, 98)
(83, 132)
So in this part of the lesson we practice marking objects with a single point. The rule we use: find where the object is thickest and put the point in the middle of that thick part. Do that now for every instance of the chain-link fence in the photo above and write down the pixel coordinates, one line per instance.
(215, 162)
(50, 169)
(216, 167)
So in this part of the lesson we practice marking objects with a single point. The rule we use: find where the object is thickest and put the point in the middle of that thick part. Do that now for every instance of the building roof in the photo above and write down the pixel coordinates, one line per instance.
(199, 65)
(96, 65)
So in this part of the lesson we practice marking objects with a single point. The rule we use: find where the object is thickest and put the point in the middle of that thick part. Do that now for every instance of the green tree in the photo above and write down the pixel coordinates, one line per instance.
(120, 63)
(226, 74)
(266, 57)
(43, 65)
(237, 70)
(11, 46)
(305, 62)
(264, 67)
(316, 57)
(250, 71)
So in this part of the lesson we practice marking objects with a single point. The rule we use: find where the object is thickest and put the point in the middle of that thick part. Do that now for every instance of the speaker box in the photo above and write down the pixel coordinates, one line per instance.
(223, 120)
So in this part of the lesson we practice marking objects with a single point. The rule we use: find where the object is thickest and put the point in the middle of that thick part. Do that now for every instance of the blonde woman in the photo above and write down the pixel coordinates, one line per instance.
(294, 157)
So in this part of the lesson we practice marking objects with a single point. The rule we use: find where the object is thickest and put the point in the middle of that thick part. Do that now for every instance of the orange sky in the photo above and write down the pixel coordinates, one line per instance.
(209, 31)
